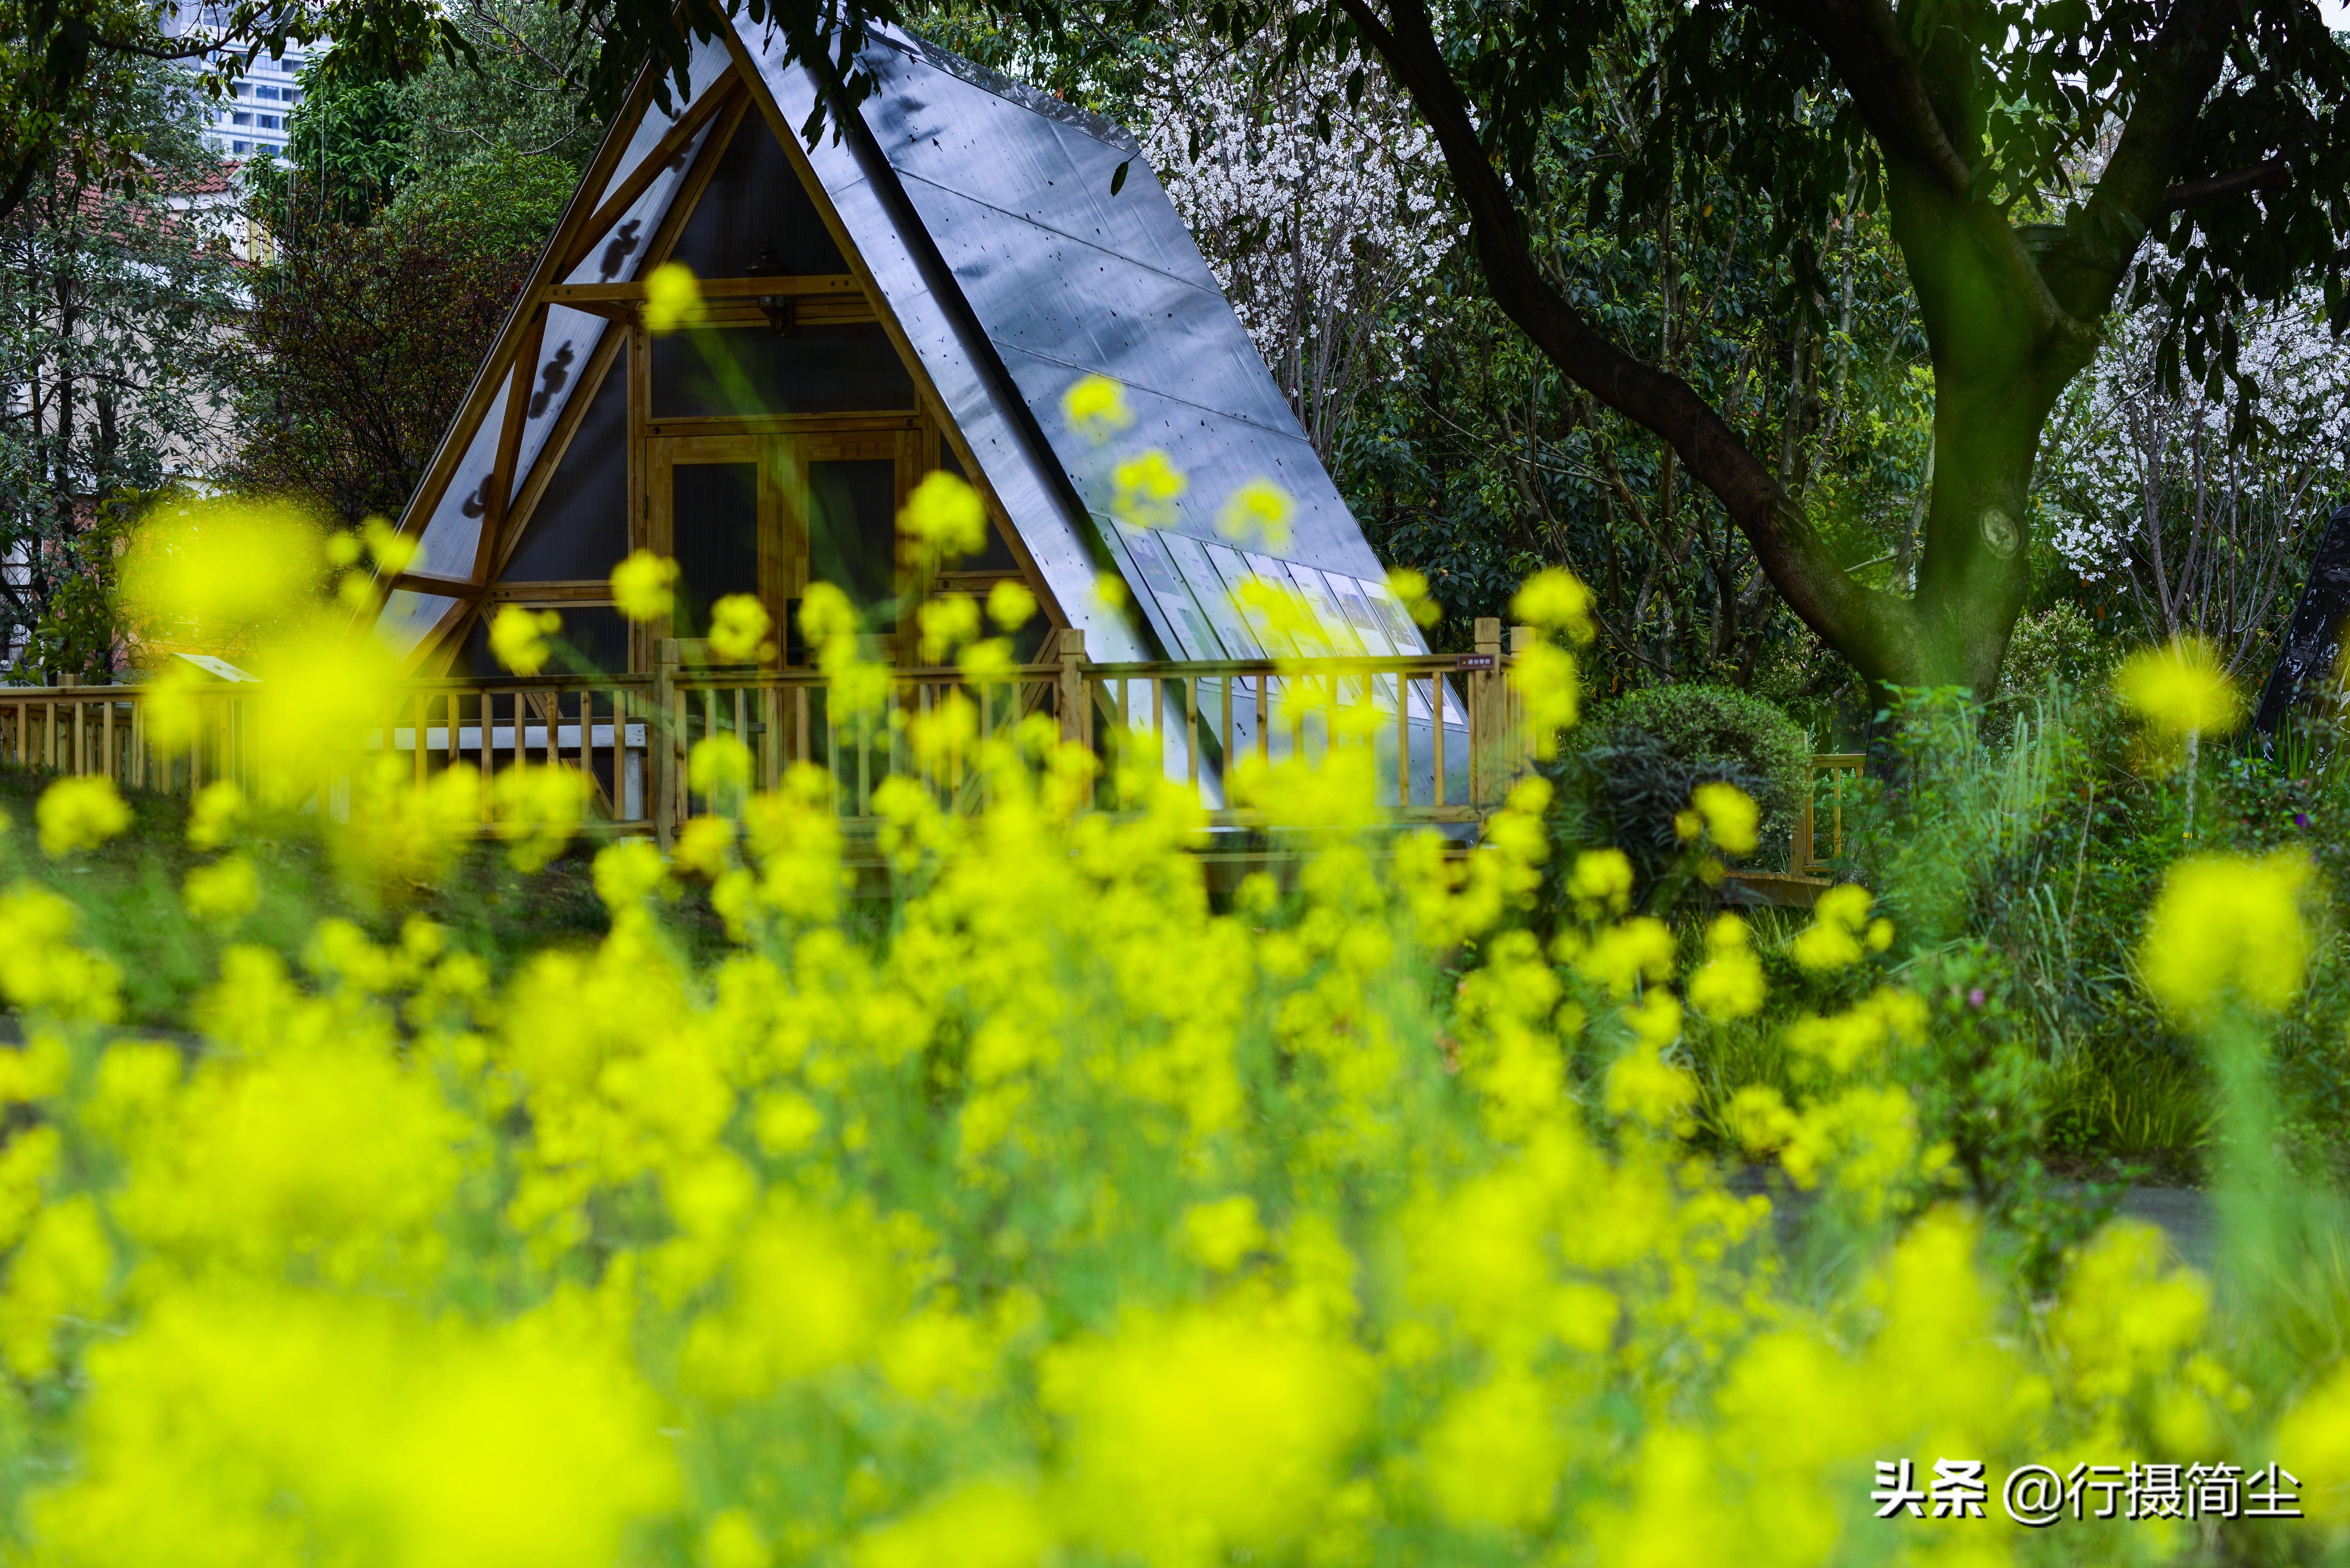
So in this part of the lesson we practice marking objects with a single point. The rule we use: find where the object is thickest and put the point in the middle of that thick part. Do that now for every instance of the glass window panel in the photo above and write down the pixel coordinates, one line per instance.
(1400, 631)
(1235, 572)
(853, 533)
(1208, 590)
(1166, 587)
(1310, 644)
(754, 207)
(829, 367)
(715, 537)
(1335, 626)
(580, 529)
(1359, 613)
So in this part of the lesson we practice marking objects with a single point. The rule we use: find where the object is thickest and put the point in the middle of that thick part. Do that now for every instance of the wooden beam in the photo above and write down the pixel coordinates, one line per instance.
(444, 587)
(558, 441)
(455, 441)
(579, 296)
(596, 591)
(502, 471)
(680, 136)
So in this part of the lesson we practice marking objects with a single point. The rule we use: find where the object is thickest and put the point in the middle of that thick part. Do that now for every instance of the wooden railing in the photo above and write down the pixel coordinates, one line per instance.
(1443, 732)
(1827, 775)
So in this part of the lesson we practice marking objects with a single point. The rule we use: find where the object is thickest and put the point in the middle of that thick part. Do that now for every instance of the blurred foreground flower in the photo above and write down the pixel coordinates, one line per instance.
(1096, 408)
(77, 813)
(739, 624)
(643, 586)
(2228, 926)
(946, 515)
(2181, 690)
(1257, 515)
(673, 298)
(518, 638)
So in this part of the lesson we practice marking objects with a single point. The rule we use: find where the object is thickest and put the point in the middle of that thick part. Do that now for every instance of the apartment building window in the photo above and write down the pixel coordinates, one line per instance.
(240, 119)
(239, 147)
(268, 121)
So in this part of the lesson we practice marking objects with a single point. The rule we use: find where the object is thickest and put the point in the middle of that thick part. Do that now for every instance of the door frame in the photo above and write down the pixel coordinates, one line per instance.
(782, 458)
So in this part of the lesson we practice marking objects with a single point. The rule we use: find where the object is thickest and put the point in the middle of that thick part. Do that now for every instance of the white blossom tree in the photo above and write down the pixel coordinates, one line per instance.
(1322, 217)
(2164, 494)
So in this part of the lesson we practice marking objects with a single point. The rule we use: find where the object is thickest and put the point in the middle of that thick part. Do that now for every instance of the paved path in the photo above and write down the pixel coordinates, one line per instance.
(2183, 1213)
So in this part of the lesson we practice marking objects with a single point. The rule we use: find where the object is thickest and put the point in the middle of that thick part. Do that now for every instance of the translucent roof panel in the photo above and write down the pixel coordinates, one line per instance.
(1067, 280)
(983, 406)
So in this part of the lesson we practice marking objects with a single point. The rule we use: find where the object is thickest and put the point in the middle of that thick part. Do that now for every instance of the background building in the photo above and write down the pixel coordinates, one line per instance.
(253, 123)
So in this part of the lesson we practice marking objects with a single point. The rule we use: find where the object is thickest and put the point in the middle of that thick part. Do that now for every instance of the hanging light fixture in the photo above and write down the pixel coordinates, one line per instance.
(782, 310)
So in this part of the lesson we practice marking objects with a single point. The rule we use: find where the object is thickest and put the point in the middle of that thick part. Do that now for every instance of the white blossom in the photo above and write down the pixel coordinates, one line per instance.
(1314, 240)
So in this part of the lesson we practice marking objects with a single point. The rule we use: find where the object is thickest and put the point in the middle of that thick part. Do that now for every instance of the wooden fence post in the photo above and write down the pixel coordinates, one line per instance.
(1799, 856)
(1071, 645)
(1488, 716)
(664, 741)
(1522, 736)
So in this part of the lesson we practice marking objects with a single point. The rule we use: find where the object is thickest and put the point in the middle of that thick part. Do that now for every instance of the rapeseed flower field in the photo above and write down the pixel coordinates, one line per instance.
(1069, 1216)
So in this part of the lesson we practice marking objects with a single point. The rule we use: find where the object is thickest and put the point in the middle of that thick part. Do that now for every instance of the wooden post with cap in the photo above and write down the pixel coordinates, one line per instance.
(1488, 717)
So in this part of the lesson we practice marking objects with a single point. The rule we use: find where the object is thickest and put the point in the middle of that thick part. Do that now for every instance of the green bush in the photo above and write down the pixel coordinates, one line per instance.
(2060, 643)
(1714, 731)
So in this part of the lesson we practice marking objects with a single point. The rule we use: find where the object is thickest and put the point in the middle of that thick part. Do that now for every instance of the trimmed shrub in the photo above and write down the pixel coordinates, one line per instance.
(1714, 733)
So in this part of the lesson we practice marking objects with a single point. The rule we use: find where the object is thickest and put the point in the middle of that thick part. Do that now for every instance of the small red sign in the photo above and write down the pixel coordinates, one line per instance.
(1473, 662)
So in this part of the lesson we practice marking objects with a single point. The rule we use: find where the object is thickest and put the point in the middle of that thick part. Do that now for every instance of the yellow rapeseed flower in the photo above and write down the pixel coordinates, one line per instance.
(1731, 815)
(224, 891)
(739, 624)
(1549, 693)
(1558, 601)
(77, 813)
(643, 586)
(1096, 408)
(2228, 926)
(518, 638)
(2180, 688)
(947, 624)
(673, 298)
(1257, 514)
(1146, 489)
(1601, 883)
(1221, 1233)
(946, 514)
(216, 573)
(1841, 932)
(1411, 589)
(1729, 984)
(1010, 606)
(215, 814)
(1198, 1433)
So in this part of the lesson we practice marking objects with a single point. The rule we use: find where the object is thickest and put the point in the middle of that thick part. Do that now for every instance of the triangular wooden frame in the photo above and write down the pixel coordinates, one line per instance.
(513, 359)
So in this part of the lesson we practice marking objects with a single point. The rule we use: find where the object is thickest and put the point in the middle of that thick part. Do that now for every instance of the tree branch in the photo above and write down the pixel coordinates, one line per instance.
(2182, 67)
(1862, 39)
(2267, 176)
(1799, 563)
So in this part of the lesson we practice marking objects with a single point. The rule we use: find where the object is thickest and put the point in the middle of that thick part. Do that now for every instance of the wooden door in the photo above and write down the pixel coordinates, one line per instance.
(712, 505)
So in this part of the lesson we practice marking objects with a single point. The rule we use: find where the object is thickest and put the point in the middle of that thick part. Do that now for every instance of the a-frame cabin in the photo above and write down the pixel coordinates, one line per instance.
(917, 290)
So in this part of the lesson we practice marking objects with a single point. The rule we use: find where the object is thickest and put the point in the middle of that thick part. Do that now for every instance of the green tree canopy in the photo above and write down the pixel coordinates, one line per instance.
(2030, 158)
